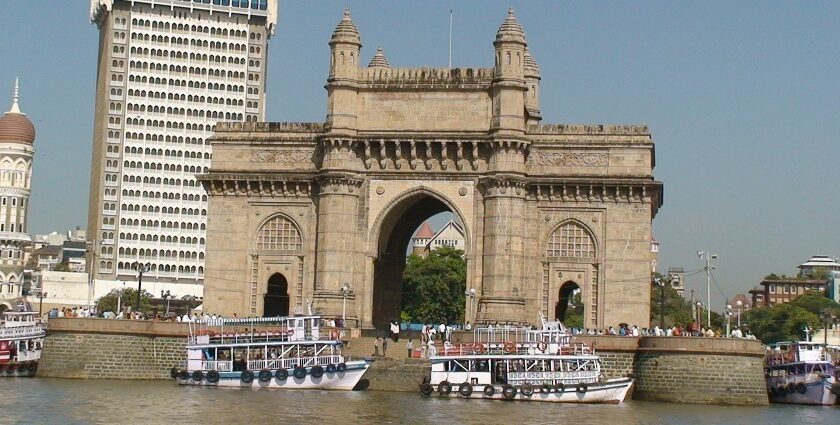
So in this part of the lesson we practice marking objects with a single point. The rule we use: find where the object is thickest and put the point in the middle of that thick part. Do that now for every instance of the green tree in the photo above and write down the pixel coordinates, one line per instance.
(786, 322)
(574, 313)
(434, 286)
(678, 310)
(62, 267)
(129, 298)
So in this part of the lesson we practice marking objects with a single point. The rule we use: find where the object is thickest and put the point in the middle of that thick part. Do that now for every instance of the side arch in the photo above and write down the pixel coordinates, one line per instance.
(278, 233)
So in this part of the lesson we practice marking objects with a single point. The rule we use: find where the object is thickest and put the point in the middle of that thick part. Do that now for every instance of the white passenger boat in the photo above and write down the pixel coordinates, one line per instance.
(506, 363)
(279, 352)
(21, 340)
(802, 373)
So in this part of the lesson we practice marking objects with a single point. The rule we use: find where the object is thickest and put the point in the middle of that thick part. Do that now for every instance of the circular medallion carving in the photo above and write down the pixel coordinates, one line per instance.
(594, 219)
(380, 190)
(462, 191)
(547, 218)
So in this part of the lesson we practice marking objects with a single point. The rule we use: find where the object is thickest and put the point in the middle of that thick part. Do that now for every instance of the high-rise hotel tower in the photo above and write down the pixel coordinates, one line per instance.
(168, 70)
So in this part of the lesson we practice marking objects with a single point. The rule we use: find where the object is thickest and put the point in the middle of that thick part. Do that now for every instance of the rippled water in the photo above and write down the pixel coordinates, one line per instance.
(60, 401)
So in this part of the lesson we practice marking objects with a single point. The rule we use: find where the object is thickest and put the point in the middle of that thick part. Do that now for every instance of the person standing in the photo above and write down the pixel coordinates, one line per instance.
(409, 347)
(384, 346)
(395, 330)
(376, 344)
(442, 331)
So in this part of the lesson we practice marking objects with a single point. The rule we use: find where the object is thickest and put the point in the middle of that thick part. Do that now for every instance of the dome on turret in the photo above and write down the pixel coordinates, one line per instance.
(510, 30)
(379, 60)
(14, 126)
(531, 67)
(346, 31)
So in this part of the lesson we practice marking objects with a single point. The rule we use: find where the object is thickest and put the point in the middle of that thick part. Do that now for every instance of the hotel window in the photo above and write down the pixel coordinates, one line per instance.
(772, 289)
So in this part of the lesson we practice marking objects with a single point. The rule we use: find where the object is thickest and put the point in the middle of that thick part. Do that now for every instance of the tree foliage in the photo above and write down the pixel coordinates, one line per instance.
(678, 310)
(129, 298)
(786, 322)
(434, 286)
(574, 313)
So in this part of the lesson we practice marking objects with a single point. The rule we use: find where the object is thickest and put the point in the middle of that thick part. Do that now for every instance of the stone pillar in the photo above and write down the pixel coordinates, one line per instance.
(502, 297)
(337, 253)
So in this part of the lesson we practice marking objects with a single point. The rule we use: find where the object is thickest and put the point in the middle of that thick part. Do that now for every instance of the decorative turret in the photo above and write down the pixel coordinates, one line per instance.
(532, 96)
(345, 45)
(510, 48)
(509, 83)
(14, 126)
(342, 84)
(378, 60)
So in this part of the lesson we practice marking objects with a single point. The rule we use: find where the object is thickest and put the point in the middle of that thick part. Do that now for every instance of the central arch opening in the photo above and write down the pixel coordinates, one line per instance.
(396, 241)
(568, 307)
(276, 300)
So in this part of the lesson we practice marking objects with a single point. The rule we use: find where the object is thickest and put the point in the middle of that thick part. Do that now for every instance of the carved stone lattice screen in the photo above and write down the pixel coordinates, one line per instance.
(278, 234)
(570, 240)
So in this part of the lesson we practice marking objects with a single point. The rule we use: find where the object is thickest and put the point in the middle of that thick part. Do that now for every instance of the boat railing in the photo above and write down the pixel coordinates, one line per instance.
(565, 377)
(273, 364)
(509, 348)
(22, 331)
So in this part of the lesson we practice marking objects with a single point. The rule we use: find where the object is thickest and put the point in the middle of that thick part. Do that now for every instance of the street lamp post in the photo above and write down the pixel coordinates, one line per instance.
(826, 317)
(345, 289)
(739, 304)
(698, 309)
(470, 294)
(708, 257)
(41, 296)
(728, 320)
(119, 300)
(661, 302)
(166, 296)
(141, 268)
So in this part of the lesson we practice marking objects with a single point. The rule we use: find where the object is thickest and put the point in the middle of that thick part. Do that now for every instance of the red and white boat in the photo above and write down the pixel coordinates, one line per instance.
(21, 339)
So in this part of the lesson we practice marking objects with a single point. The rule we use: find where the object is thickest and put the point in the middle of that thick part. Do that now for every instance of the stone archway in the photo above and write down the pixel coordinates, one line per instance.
(393, 232)
(564, 298)
(276, 299)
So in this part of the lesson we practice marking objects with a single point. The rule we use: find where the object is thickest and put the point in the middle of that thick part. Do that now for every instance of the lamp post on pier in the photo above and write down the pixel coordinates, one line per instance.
(140, 268)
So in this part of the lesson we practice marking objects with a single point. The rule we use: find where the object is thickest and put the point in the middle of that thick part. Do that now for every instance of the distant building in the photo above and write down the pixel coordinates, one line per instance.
(677, 277)
(832, 286)
(782, 291)
(426, 240)
(47, 257)
(746, 302)
(816, 263)
(756, 297)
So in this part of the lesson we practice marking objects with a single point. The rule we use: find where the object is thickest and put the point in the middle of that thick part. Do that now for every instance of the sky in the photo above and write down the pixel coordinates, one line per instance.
(742, 99)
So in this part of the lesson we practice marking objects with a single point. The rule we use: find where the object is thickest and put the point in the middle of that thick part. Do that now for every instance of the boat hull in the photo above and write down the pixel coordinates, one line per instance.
(813, 391)
(609, 391)
(18, 369)
(339, 381)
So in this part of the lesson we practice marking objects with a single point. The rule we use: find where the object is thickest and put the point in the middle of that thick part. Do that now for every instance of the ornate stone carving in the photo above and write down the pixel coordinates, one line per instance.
(573, 159)
(281, 156)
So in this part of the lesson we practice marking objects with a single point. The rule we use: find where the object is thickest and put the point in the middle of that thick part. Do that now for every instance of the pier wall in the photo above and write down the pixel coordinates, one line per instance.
(671, 369)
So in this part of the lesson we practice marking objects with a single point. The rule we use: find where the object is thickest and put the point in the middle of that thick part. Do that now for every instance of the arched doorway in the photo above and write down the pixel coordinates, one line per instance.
(565, 301)
(276, 300)
(396, 230)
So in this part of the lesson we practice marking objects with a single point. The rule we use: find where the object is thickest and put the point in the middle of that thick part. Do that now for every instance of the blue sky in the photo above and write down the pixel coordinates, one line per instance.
(742, 98)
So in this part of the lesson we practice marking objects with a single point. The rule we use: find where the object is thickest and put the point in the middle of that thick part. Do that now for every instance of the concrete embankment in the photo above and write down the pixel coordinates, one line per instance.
(672, 369)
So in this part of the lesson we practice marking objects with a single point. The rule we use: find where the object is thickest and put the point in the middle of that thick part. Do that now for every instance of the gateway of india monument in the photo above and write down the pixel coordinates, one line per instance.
(321, 214)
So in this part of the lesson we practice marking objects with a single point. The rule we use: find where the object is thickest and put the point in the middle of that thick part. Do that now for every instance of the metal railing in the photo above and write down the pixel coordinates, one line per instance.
(33, 331)
(273, 364)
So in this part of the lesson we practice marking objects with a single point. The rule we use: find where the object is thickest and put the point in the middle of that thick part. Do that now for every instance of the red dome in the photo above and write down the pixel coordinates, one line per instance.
(15, 127)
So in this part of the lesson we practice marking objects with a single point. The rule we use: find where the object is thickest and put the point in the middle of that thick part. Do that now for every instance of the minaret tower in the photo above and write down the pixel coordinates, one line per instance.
(16, 151)
(342, 84)
(532, 96)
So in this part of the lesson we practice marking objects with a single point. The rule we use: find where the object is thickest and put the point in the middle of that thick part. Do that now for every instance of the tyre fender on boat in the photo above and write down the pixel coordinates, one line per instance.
(545, 388)
(527, 389)
(183, 375)
(581, 388)
(317, 371)
(299, 372)
(282, 374)
(508, 392)
(780, 390)
(213, 376)
(426, 388)
(489, 390)
(510, 347)
(330, 368)
(478, 347)
(800, 388)
(791, 388)
(559, 387)
(198, 376)
(265, 375)
(247, 376)
(444, 388)
(465, 389)
(341, 367)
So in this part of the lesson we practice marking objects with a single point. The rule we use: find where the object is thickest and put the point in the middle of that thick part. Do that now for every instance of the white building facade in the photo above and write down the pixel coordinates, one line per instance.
(168, 70)
(17, 135)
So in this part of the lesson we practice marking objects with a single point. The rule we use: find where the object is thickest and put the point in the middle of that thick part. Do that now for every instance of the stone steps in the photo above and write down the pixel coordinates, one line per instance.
(363, 347)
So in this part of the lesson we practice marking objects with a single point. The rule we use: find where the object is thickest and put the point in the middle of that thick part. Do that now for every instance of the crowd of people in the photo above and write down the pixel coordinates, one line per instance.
(690, 330)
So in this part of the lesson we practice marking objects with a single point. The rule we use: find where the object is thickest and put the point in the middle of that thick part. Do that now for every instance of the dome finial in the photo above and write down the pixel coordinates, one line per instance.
(345, 31)
(379, 59)
(16, 98)
(510, 30)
